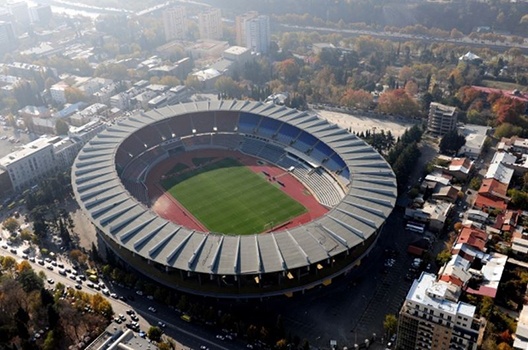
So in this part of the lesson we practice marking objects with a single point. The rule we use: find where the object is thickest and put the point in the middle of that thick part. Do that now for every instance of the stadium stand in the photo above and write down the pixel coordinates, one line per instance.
(271, 153)
(229, 141)
(149, 136)
(180, 127)
(252, 146)
(203, 122)
(198, 141)
(287, 133)
(225, 121)
(322, 185)
(268, 127)
(164, 131)
(248, 123)
(304, 142)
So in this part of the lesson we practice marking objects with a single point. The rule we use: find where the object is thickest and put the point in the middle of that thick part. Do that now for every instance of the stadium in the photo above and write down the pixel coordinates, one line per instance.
(234, 199)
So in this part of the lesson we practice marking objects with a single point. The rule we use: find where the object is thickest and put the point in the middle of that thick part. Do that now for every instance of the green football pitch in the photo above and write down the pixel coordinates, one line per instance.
(227, 197)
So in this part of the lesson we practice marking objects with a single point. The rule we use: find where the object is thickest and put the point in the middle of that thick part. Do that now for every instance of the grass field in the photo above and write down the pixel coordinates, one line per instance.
(229, 198)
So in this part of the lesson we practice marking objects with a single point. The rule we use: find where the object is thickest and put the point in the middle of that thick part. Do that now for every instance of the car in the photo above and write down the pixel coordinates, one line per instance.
(105, 292)
(80, 281)
(54, 263)
(48, 260)
(89, 285)
(61, 265)
(161, 324)
(40, 262)
(32, 259)
(13, 250)
(130, 312)
(117, 320)
(122, 298)
(203, 347)
(96, 287)
(73, 277)
(142, 334)
(152, 309)
(68, 270)
(25, 256)
(4, 246)
(114, 295)
(220, 337)
(138, 292)
(150, 297)
(51, 281)
(122, 317)
(78, 286)
(134, 317)
(49, 267)
(82, 277)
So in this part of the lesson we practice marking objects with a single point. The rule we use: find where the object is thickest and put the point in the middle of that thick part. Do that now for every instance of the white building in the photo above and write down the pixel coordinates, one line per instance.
(121, 101)
(58, 92)
(86, 132)
(433, 318)
(258, 35)
(240, 26)
(210, 24)
(237, 54)
(32, 163)
(174, 23)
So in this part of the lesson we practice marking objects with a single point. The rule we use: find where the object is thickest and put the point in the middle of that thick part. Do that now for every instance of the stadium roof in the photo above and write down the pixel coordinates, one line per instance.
(122, 218)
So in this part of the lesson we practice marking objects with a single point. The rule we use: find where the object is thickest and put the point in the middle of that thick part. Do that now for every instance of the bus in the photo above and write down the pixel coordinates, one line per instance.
(415, 227)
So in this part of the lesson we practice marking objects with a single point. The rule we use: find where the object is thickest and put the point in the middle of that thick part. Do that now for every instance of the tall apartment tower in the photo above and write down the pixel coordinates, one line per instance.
(174, 23)
(240, 26)
(432, 318)
(210, 24)
(20, 12)
(442, 119)
(258, 34)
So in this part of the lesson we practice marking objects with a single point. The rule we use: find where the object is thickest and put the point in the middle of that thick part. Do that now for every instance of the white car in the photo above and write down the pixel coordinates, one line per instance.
(152, 309)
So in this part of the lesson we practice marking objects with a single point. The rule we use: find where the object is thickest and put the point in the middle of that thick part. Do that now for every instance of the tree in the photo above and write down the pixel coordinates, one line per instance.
(288, 69)
(507, 109)
(154, 333)
(504, 346)
(74, 95)
(451, 142)
(475, 183)
(390, 324)
(507, 130)
(443, 257)
(398, 102)
(228, 87)
(357, 98)
(61, 127)
(192, 82)
(11, 225)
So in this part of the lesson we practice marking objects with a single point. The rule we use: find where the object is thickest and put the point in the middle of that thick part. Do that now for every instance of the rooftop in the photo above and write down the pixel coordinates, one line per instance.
(28, 149)
(440, 295)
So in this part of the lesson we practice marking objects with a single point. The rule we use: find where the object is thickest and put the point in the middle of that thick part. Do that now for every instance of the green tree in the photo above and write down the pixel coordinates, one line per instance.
(61, 127)
(11, 225)
(390, 324)
(443, 257)
(475, 183)
(451, 142)
(154, 333)
(74, 95)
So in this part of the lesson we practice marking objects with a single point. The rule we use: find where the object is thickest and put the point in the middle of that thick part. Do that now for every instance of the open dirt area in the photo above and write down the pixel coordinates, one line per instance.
(361, 123)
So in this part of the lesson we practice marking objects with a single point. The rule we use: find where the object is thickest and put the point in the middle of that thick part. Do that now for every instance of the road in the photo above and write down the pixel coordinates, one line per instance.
(409, 37)
(188, 336)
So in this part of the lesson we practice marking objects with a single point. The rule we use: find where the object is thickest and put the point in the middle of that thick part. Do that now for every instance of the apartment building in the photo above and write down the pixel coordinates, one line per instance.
(174, 23)
(433, 318)
(442, 119)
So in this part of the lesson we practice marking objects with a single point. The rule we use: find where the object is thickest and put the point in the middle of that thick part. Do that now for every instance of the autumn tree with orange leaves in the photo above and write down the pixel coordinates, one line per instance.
(398, 102)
